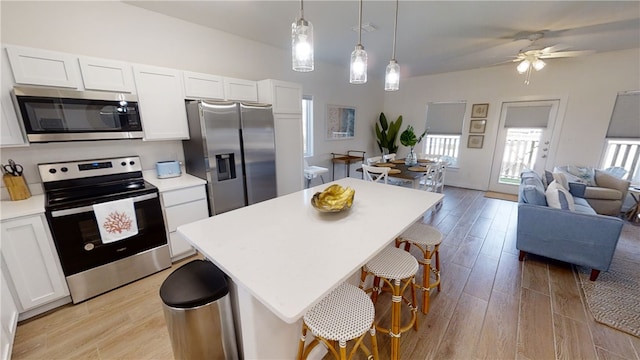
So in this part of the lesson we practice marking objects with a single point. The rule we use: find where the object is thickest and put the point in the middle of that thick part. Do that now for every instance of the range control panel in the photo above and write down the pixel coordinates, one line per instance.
(88, 168)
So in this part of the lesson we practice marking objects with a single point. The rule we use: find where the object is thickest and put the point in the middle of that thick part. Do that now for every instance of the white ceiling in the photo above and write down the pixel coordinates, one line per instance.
(433, 36)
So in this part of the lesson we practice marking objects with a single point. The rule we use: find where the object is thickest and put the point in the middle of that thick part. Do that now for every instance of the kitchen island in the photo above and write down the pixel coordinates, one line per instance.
(283, 256)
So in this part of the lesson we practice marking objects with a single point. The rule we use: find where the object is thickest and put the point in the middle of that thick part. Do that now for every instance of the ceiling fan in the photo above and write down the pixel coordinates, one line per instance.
(532, 57)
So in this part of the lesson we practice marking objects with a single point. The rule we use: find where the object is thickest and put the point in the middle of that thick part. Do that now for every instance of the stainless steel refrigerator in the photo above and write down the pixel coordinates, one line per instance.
(232, 146)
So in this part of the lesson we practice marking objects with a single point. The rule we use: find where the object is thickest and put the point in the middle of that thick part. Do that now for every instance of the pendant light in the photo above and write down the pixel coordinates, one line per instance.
(392, 74)
(358, 68)
(302, 43)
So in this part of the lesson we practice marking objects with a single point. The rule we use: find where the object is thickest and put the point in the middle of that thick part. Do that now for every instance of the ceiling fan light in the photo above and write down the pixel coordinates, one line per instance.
(302, 45)
(392, 77)
(358, 67)
(539, 64)
(523, 66)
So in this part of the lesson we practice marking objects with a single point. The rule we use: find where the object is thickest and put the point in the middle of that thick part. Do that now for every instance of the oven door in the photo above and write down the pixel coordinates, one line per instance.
(77, 237)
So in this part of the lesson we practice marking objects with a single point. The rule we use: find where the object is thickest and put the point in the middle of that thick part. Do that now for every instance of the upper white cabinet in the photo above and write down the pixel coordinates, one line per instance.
(42, 67)
(106, 75)
(240, 89)
(10, 129)
(286, 97)
(32, 262)
(161, 100)
(203, 86)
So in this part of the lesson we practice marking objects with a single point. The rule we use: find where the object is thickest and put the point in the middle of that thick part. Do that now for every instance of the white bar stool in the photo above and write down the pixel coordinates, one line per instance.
(427, 239)
(347, 313)
(396, 268)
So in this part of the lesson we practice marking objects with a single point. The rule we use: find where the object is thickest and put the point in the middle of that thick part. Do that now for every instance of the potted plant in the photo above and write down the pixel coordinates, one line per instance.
(387, 133)
(408, 138)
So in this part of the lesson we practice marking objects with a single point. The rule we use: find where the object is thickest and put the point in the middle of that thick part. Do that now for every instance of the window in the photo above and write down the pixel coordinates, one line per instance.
(307, 125)
(623, 137)
(444, 121)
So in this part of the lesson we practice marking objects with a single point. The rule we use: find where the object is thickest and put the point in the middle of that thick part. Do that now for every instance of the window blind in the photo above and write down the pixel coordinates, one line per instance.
(528, 116)
(445, 118)
(625, 119)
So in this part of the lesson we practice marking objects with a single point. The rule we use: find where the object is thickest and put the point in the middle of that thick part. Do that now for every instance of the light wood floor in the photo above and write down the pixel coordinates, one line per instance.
(491, 306)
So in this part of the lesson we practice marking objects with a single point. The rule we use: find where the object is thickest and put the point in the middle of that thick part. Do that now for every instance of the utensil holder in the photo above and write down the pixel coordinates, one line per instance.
(16, 186)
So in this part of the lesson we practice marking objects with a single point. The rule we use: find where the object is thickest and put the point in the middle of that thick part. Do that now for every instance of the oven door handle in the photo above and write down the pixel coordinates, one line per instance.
(85, 209)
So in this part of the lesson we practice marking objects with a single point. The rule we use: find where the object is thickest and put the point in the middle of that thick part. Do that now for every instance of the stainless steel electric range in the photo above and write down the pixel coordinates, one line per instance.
(93, 266)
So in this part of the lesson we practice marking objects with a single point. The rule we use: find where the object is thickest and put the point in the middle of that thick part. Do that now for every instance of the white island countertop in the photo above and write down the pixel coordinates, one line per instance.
(289, 256)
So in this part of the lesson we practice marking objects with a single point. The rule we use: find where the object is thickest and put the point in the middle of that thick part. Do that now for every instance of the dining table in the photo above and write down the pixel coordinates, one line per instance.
(283, 256)
(413, 173)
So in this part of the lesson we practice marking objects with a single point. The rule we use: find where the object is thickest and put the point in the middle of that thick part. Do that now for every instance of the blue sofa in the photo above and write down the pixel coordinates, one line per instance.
(579, 237)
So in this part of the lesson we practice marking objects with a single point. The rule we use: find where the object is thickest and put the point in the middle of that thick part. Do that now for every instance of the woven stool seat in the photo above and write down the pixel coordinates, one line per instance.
(347, 313)
(344, 314)
(396, 269)
(422, 234)
(392, 263)
(427, 239)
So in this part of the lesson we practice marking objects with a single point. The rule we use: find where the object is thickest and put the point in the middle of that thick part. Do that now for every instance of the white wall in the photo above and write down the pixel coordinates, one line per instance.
(587, 87)
(114, 30)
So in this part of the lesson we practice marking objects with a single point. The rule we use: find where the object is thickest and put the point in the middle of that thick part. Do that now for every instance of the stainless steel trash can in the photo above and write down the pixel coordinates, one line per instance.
(198, 313)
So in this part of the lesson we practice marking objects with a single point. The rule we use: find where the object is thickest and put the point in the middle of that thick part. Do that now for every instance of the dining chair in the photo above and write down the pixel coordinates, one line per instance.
(311, 172)
(389, 157)
(373, 160)
(375, 174)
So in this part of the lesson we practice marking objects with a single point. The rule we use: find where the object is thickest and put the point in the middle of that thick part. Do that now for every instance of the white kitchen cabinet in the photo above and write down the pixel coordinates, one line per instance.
(240, 89)
(8, 319)
(42, 67)
(11, 133)
(203, 86)
(106, 75)
(182, 206)
(289, 158)
(161, 102)
(32, 262)
(286, 97)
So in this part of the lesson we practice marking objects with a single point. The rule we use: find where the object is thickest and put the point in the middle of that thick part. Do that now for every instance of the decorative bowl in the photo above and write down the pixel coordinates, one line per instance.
(335, 198)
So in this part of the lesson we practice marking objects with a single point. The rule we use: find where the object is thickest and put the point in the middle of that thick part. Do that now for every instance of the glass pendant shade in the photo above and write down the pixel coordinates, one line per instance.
(302, 45)
(539, 64)
(523, 66)
(358, 68)
(392, 77)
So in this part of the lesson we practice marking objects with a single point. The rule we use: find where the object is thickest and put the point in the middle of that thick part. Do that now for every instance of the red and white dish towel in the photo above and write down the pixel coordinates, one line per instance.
(116, 220)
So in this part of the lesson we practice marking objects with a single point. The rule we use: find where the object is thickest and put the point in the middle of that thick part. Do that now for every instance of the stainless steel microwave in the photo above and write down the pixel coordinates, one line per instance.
(52, 115)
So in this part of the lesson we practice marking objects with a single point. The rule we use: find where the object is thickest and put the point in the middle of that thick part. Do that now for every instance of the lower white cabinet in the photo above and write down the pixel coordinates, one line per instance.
(183, 206)
(31, 261)
(9, 319)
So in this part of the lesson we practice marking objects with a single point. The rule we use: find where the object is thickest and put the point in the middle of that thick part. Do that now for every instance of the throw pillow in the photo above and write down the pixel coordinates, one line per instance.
(586, 175)
(559, 198)
(561, 179)
(548, 178)
(616, 171)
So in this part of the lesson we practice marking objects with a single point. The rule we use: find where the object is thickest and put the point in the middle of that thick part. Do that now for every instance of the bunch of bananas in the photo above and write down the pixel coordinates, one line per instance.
(333, 199)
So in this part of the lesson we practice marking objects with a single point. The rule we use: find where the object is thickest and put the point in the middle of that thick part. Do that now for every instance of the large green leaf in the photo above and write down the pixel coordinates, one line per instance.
(383, 121)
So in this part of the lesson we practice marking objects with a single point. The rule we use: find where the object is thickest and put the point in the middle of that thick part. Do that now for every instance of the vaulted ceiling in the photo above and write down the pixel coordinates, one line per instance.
(432, 37)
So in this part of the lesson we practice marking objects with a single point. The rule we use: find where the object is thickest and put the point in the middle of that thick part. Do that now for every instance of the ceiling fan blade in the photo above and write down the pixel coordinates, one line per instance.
(555, 48)
(564, 54)
(505, 62)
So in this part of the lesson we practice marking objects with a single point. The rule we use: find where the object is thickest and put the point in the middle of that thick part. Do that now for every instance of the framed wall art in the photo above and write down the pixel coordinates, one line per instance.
(479, 110)
(475, 141)
(477, 126)
(340, 122)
